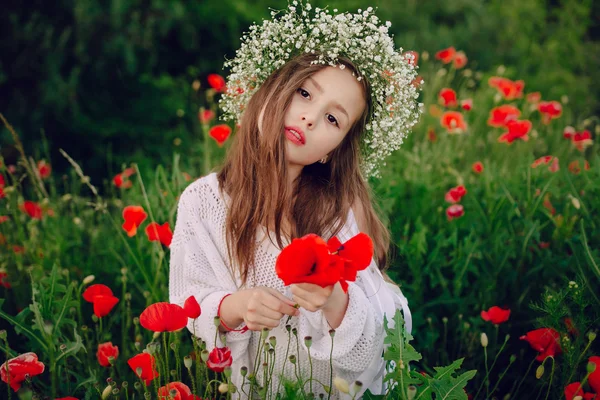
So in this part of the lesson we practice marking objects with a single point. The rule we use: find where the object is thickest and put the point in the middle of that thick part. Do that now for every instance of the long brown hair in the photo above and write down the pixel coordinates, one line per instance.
(255, 175)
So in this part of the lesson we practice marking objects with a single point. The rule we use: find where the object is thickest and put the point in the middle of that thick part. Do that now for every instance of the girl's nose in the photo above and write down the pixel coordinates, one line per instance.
(309, 123)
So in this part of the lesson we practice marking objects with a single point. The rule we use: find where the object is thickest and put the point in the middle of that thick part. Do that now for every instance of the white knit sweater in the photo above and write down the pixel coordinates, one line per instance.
(199, 266)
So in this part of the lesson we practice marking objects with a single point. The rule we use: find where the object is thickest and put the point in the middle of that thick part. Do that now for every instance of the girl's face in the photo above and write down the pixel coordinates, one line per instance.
(320, 115)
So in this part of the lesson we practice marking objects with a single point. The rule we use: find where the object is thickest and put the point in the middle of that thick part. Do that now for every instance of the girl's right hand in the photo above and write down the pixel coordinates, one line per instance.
(265, 307)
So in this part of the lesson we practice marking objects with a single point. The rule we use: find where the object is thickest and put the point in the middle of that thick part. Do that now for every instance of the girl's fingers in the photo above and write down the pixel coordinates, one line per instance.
(258, 322)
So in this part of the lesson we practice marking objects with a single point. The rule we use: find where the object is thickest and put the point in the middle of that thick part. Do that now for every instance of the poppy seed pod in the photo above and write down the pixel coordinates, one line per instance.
(244, 371)
(187, 361)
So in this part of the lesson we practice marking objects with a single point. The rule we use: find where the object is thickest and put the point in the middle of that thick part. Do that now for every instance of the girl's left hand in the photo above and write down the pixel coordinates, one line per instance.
(312, 297)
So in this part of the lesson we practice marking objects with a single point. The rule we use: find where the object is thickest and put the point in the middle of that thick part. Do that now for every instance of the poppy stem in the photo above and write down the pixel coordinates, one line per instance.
(287, 350)
(551, 377)
(512, 360)
(166, 355)
(330, 367)
(513, 395)
(579, 359)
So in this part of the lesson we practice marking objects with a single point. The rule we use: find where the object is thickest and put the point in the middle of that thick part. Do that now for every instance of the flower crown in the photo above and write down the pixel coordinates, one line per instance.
(360, 38)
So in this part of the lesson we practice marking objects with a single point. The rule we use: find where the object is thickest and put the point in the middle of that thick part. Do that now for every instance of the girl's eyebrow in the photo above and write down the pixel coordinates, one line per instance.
(335, 104)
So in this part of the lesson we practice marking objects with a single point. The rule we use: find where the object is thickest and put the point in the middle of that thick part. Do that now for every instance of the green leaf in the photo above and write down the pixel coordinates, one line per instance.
(19, 327)
(73, 347)
(452, 388)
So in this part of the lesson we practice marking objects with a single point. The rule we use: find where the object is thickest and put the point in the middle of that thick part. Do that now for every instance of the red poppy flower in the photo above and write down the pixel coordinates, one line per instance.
(554, 166)
(2, 181)
(183, 392)
(16, 369)
(543, 245)
(533, 97)
(354, 255)
(32, 209)
(44, 169)
(509, 89)
(466, 104)
(122, 180)
(568, 132)
(219, 358)
(446, 55)
(417, 81)
(104, 304)
(477, 167)
(220, 133)
(147, 363)
(205, 116)
(447, 97)
(516, 130)
(192, 308)
(460, 59)
(570, 327)
(453, 121)
(574, 167)
(546, 341)
(134, 216)
(495, 315)
(217, 82)
(163, 317)
(4, 218)
(106, 350)
(575, 389)
(162, 233)
(2, 194)
(307, 260)
(67, 398)
(455, 194)
(582, 140)
(500, 115)
(96, 290)
(431, 136)
(4, 280)
(541, 160)
(454, 211)
(550, 110)
(594, 378)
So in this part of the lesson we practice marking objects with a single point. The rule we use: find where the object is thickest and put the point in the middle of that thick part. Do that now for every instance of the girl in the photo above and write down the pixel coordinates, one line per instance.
(307, 135)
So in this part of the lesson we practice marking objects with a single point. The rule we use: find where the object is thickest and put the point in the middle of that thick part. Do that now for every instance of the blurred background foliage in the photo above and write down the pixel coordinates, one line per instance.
(110, 81)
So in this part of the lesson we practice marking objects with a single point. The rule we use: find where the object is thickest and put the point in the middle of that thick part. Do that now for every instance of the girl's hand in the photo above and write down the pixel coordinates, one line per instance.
(265, 307)
(331, 299)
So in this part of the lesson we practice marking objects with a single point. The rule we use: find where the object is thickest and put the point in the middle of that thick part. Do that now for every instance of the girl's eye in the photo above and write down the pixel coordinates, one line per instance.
(332, 119)
(303, 93)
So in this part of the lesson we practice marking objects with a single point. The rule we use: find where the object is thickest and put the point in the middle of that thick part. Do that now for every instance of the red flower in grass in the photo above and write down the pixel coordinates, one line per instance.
(220, 133)
(550, 110)
(163, 317)
(516, 130)
(447, 97)
(477, 167)
(16, 369)
(568, 132)
(455, 194)
(431, 136)
(582, 140)
(542, 160)
(453, 121)
(594, 378)
(32, 209)
(533, 97)
(162, 233)
(205, 116)
(106, 350)
(495, 315)
(509, 89)
(500, 115)
(575, 389)
(67, 398)
(354, 255)
(219, 358)
(446, 55)
(192, 308)
(4, 280)
(570, 327)
(102, 298)
(307, 260)
(217, 82)
(96, 290)
(466, 104)
(147, 363)
(546, 341)
(454, 211)
(460, 59)
(133, 216)
(4, 218)
(181, 390)
(2, 181)
(44, 169)
(122, 180)
(2, 194)
(412, 57)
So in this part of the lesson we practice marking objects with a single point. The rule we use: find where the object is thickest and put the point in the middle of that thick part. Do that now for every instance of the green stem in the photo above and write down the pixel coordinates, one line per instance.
(501, 376)
(285, 360)
(330, 369)
(311, 370)
(551, 377)
(487, 372)
(514, 395)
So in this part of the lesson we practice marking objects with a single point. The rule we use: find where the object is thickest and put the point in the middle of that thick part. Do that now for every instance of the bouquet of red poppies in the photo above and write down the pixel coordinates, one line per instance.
(310, 259)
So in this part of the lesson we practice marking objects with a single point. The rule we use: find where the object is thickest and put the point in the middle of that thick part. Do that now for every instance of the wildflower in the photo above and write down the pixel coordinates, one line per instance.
(550, 110)
(341, 385)
(106, 350)
(447, 97)
(533, 97)
(594, 378)
(220, 133)
(460, 59)
(219, 358)
(17, 369)
(545, 341)
(570, 327)
(509, 89)
(133, 216)
(542, 160)
(455, 194)
(454, 211)
(582, 140)
(192, 308)
(122, 181)
(575, 389)
(217, 82)
(499, 116)
(446, 55)
(477, 167)
(162, 233)
(453, 122)
(496, 315)
(205, 116)
(163, 317)
(574, 167)
(412, 57)
(484, 340)
(175, 391)
(147, 364)
(516, 130)
(466, 104)
(431, 136)
(32, 209)
(306, 260)
(44, 169)
(102, 298)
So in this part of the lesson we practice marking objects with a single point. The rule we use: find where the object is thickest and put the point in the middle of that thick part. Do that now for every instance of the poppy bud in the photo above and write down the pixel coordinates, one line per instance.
(308, 341)
(288, 327)
(138, 346)
(88, 279)
(356, 387)
(94, 318)
(445, 320)
(187, 361)
(115, 391)
(592, 336)
(341, 385)
(217, 321)
(227, 372)
(173, 373)
(136, 320)
(124, 385)
(295, 331)
(106, 392)
(484, 340)
(539, 372)
(591, 367)
(513, 358)
(273, 341)
(137, 386)
(412, 391)
(147, 396)
(264, 333)
(332, 332)
(3, 334)
(153, 348)
(156, 335)
(223, 388)
(244, 371)
(293, 359)
(204, 355)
